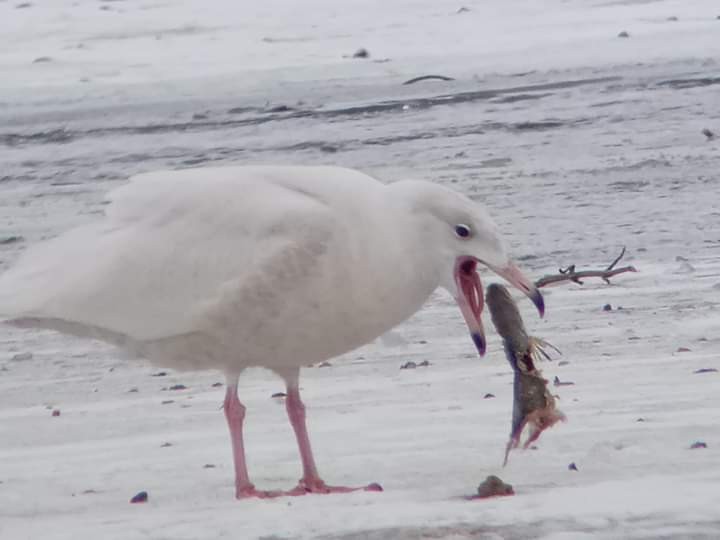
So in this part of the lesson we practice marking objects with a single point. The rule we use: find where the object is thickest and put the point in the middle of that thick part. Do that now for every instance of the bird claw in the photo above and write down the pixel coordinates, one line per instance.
(320, 487)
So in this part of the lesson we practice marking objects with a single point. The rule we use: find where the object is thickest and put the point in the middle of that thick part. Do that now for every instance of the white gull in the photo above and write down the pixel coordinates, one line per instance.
(278, 267)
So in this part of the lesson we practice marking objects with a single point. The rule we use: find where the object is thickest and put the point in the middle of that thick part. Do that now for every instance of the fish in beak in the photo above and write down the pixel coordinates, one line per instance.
(470, 297)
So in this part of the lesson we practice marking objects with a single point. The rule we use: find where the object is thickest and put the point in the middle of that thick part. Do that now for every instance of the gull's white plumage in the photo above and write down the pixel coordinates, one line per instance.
(279, 267)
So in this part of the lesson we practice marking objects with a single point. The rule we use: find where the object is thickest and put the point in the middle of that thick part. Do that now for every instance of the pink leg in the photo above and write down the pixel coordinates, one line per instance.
(310, 481)
(235, 415)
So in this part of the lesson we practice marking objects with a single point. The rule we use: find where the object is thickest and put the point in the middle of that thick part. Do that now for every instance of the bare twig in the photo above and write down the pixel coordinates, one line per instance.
(570, 274)
(429, 78)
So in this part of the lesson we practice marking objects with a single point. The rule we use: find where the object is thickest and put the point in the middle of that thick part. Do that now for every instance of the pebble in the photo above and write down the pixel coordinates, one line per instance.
(488, 396)
(22, 357)
(56, 412)
(706, 370)
(572, 467)
(178, 387)
(409, 365)
(607, 307)
(140, 497)
(217, 384)
(698, 444)
(361, 53)
(623, 34)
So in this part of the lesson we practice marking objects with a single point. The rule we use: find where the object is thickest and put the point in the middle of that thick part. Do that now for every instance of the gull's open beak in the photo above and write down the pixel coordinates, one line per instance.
(515, 277)
(470, 296)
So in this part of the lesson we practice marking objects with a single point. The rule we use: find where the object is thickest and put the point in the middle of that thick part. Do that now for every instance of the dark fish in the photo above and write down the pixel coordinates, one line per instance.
(533, 404)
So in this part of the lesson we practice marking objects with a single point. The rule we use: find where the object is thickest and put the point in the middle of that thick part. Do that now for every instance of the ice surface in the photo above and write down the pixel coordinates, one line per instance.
(578, 141)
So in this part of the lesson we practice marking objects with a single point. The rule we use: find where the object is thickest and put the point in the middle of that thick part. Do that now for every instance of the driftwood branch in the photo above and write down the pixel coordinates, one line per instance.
(429, 78)
(571, 274)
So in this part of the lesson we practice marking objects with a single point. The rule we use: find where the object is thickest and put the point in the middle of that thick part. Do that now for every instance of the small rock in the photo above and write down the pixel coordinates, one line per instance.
(463, 9)
(21, 357)
(623, 34)
(216, 384)
(279, 395)
(361, 53)
(572, 467)
(159, 374)
(563, 363)
(23, 5)
(178, 387)
(133, 390)
(698, 444)
(558, 382)
(199, 116)
(89, 492)
(409, 365)
(167, 402)
(325, 364)
(165, 445)
(680, 258)
(56, 412)
(42, 60)
(10, 240)
(328, 148)
(279, 108)
(424, 363)
(422, 342)
(673, 18)
(208, 466)
(641, 419)
(607, 307)
(488, 396)
(709, 134)
(141, 497)
(492, 486)
(706, 370)
(682, 349)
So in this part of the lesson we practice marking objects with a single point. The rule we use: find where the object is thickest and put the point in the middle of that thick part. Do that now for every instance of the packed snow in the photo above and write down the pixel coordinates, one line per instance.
(578, 141)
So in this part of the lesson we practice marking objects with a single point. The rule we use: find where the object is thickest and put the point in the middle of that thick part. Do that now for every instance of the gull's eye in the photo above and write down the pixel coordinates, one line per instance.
(463, 231)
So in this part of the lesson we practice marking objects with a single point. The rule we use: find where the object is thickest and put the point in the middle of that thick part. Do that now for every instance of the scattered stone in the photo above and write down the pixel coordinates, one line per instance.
(488, 396)
(279, 395)
(673, 18)
(23, 5)
(141, 497)
(558, 382)
(10, 240)
(22, 357)
(709, 134)
(199, 116)
(167, 401)
(216, 384)
(682, 349)
(409, 365)
(89, 492)
(607, 307)
(563, 362)
(165, 445)
(56, 412)
(492, 486)
(178, 387)
(572, 467)
(133, 390)
(623, 34)
(463, 9)
(424, 363)
(706, 370)
(279, 108)
(641, 419)
(42, 60)
(698, 444)
(159, 374)
(325, 364)
(208, 466)
(361, 53)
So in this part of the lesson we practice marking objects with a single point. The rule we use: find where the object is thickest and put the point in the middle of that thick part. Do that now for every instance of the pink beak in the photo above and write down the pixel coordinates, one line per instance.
(470, 296)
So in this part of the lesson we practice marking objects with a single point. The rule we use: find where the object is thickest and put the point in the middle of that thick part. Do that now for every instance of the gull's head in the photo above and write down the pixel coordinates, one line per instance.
(460, 236)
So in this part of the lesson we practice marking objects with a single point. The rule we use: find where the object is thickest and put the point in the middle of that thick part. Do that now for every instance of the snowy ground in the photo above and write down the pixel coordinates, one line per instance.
(578, 141)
